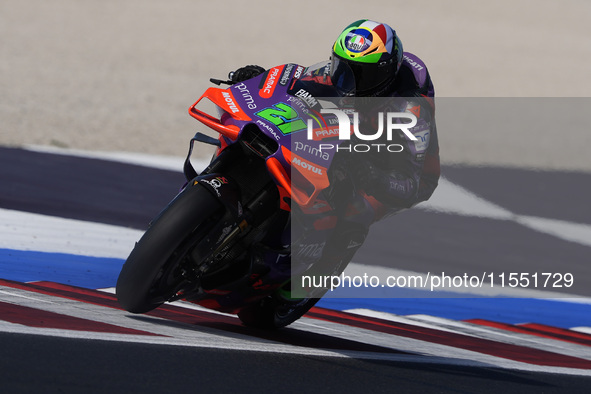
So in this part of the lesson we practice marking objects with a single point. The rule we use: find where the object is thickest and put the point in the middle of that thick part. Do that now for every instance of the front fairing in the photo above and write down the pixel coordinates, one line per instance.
(281, 103)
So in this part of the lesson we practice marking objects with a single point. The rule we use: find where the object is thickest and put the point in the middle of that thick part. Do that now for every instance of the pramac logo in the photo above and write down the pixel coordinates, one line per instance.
(269, 84)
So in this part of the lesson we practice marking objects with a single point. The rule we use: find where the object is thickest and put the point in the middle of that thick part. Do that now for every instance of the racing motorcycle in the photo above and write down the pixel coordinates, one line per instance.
(260, 215)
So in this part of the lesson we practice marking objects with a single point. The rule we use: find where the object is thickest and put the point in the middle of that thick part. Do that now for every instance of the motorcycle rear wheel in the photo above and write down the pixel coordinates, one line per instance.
(151, 274)
(275, 312)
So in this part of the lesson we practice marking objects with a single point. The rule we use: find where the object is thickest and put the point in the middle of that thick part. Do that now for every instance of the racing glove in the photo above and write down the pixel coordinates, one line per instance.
(246, 72)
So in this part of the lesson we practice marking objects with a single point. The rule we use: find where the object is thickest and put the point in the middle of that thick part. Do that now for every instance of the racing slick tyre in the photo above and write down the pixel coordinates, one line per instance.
(153, 272)
(271, 313)
(277, 311)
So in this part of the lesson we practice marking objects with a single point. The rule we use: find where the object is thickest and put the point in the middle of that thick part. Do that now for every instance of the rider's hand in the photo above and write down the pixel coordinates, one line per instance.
(246, 72)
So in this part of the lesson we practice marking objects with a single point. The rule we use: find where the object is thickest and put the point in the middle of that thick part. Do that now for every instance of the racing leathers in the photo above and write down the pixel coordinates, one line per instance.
(390, 182)
(385, 182)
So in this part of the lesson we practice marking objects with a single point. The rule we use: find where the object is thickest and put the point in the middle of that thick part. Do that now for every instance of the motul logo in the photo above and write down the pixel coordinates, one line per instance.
(230, 102)
(306, 166)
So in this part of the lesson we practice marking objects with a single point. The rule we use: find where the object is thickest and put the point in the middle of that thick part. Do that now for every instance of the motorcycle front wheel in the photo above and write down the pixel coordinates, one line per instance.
(152, 274)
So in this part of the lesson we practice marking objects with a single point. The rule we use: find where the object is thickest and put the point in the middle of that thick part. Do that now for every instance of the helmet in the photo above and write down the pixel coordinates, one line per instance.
(373, 53)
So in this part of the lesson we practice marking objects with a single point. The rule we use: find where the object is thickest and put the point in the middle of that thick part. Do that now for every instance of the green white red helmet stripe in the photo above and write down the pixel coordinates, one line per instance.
(379, 29)
(364, 41)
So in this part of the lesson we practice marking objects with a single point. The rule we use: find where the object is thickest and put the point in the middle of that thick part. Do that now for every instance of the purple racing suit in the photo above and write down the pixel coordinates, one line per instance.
(387, 182)
(392, 182)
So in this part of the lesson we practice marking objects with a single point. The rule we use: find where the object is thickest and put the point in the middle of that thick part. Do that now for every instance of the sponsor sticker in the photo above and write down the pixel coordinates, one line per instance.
(285, 77)
(422, 141)
(270, 82)
(358, 43)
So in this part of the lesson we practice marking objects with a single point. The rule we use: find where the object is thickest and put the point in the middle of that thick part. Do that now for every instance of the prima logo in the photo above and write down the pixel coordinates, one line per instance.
(246, 96)
(311, 150)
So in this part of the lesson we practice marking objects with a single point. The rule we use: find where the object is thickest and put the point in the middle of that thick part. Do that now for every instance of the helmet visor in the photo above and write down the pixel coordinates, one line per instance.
(342, 77)
(368, 76)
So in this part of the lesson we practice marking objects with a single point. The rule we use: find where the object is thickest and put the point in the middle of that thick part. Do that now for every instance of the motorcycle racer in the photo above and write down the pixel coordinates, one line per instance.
(386, 183)
(374, 53)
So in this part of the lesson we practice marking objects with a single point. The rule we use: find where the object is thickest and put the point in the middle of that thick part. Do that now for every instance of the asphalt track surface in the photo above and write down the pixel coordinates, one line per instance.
(114, 193)
(56, 365)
